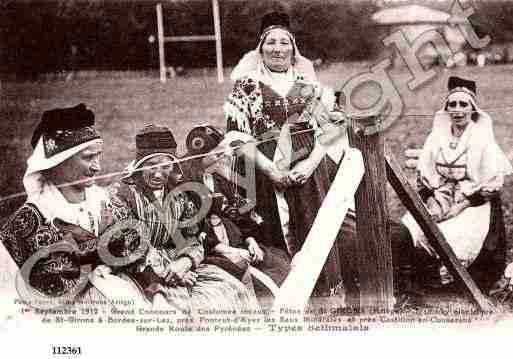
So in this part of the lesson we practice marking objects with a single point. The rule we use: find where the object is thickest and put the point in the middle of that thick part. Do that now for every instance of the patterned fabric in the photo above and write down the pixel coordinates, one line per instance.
(454, 182)
(62, 140)
(131, 199)
(247, 112)
(215, 288)
(27, 233)
(256, 109)
(64, 128)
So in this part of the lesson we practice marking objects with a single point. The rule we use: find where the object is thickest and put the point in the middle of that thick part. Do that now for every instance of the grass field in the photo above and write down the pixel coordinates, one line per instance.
(123, 102)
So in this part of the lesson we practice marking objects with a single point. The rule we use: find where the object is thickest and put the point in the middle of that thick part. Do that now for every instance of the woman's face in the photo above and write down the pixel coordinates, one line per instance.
(460, 109)
(158, 174)
(80, 169)
(277, 49)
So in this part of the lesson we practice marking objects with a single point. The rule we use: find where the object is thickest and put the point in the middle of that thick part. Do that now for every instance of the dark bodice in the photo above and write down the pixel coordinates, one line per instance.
(278, 109)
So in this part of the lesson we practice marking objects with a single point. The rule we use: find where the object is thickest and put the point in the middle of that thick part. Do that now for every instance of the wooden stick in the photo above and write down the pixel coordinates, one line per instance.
(216, 37)
(413, 203)
(374, 249)
(189, 38)
(219, 47)
(160, 35)
(308, 262)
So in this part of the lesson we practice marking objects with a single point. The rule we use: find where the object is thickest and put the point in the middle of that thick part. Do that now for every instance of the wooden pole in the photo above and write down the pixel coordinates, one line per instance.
(189, 38)
(413, 203)
(219, 47)
(308, 262)
(374, 249)
(160, 35)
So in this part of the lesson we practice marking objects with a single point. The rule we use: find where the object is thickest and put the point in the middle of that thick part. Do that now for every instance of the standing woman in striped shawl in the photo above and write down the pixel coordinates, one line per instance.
(172, 269)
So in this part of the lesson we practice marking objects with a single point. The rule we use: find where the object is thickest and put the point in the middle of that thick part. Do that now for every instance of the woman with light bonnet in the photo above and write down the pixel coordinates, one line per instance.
(461, 172)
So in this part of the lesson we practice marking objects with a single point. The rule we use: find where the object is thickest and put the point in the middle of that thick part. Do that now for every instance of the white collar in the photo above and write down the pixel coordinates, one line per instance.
(52, 204)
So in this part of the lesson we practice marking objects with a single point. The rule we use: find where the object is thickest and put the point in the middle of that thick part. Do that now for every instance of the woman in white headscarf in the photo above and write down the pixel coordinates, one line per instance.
(63, 207)
(461, 171)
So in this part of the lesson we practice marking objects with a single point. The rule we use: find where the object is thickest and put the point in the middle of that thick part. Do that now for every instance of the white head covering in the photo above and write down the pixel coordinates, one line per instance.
(252, 62)
(481, 138)
(38, 162)
(46, 196)
(137, 164)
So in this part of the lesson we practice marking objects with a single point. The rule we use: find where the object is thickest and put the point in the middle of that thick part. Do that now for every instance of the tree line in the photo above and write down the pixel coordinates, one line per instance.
(65, 35)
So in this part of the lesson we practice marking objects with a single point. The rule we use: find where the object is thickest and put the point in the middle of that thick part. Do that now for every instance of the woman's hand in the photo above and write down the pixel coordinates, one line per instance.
(457, 208)
(434, 209)
(422, 242)
(189, 279)
(257, 254)
(239, 254)
(176, 270)
(302, 171)
(280, 179)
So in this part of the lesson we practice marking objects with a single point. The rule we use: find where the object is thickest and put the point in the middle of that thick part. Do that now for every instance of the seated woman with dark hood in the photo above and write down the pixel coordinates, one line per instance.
(233, 215)
(173, 269)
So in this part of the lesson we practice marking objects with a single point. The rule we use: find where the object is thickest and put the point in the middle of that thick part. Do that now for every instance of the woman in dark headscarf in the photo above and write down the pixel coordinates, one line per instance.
(274, 86)
(173, 271)
(243, 227)
(277, 101)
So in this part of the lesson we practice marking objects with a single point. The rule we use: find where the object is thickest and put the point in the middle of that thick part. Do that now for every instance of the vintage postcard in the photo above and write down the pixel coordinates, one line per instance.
(203, 169)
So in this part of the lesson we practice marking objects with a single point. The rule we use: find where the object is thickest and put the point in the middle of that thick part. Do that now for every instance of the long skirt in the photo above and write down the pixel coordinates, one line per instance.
(477, 237)
(404, 259)
(214, 289)
(465, 233)
(303, 202)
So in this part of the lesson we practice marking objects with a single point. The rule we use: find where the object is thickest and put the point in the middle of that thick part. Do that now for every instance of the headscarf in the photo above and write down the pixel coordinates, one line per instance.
(152, 141)
(478, 138)
(61, 134)
(252, 62)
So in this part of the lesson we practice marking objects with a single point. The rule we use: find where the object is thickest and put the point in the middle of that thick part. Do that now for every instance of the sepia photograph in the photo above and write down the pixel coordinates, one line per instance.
(202, 168)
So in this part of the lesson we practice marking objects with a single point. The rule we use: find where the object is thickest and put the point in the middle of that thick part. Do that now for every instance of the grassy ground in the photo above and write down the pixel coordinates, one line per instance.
(124, 103)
